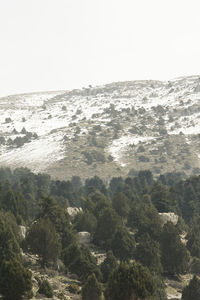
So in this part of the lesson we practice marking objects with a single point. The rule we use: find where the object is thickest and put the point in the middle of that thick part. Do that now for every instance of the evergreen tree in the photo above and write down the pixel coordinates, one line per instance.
(57, 215)
(100, 205)
(83, 268)
(193, 237)
(80, 261)
(15, 280)
(148, 253)
(174, 255)
(76, 183)
(68, 237)
(107, 225)
(91, 290)
(96, 196)
(116, 185)
(22, 207)
(145, 218)
(9, 248)
(195, 266)
(123, 244)
(85, 221)
(71, 254)
(10, 221)
(88, 205)
(44, 241)
(108, 265)
(121, 205)
(8, 201)
(93, 184)
(161, 198)
(130, 282)
(193, 244)
(192, 291)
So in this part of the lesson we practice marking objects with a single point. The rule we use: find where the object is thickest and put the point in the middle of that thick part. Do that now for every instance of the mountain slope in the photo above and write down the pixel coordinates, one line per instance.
(107, 130)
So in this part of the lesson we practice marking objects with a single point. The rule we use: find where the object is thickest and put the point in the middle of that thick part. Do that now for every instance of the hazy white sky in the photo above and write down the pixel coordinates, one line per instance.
(64, 44)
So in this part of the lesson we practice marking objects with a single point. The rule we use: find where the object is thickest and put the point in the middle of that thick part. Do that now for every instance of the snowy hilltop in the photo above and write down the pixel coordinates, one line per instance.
(110, 130)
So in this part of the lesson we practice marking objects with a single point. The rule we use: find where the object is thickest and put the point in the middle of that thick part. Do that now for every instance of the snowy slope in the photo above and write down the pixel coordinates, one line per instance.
(109, 129)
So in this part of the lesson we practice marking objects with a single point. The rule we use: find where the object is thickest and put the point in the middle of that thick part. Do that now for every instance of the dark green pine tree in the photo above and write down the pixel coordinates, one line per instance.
(192, 291)
(193, 237)
(145, 218)
(15, 280)
(148, 254)
(71, 254)
(193, 244)
(160, 197)
(94, 183)
(108, 265)
(102, 203)
(107, 225)
(80, 261)
(189, 201)
(174, 255)
(85, 221)
(91, 290)
(9, 248)
(44, 241)
(121, 205)
(9, 202)
(123, 244)
(57, 215)
(130, 282)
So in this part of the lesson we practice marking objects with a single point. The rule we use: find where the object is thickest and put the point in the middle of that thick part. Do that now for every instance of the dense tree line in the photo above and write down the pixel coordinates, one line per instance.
(122, 218)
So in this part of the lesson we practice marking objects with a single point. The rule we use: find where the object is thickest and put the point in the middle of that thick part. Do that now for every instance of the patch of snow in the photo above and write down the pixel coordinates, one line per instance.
(37, 155)
(118, 146)
(53, 115)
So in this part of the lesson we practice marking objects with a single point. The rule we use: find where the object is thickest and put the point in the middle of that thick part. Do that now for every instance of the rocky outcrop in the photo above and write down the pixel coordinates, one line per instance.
(168, 217)
(22, 231)
(73, 211)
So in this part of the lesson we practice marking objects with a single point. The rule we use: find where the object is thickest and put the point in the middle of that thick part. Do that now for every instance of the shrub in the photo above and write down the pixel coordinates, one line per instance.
(141, 149)
(94, 156)
(2, 140)
(195, 266)
(45, 288)
(73, 288)
(23, 131)
(143, 158)
(8, 120)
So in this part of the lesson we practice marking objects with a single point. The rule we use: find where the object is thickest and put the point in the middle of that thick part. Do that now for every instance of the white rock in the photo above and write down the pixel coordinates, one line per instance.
(168, 217)
(73, 211)
(22, 231)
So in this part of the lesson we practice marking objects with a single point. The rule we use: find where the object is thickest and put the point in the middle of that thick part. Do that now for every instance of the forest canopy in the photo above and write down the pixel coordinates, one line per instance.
(122, 218)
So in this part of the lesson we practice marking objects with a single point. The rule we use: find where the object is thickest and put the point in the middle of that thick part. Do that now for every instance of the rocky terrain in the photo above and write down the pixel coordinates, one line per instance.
(111, 130)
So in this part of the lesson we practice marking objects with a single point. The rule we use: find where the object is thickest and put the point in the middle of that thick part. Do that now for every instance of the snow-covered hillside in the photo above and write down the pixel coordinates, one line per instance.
(109, 130)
